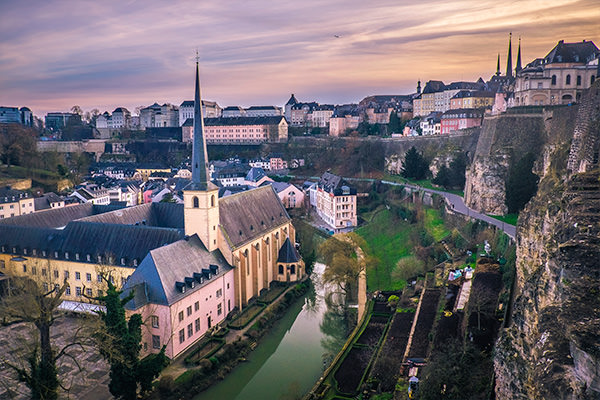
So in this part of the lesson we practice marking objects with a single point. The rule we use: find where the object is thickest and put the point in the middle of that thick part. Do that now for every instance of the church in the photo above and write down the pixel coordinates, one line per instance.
(189, 264)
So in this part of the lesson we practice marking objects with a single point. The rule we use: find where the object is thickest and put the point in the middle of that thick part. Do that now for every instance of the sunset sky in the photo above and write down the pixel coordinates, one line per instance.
(106, 54)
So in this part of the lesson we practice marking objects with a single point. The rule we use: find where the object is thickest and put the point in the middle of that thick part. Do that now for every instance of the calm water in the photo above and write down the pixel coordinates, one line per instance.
(289, 360)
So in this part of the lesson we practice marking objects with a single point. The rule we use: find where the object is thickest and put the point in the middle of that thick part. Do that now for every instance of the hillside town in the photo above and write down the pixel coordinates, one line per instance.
(195, 216)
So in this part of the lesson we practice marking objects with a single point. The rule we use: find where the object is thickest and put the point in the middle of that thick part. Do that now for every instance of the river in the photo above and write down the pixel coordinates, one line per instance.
(290, 359)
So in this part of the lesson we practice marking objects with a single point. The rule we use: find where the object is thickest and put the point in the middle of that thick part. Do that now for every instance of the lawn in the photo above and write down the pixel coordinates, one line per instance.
(508, 218)
(434, 224)
(388, 240)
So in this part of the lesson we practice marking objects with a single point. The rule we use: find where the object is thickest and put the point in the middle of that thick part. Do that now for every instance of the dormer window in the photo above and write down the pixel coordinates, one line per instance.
(135, 262)
(122, 260)
(34, 252)
(88, 257)
(180, 287)
(214, 269)
(43, 253)
(25, 252)
(206, 273)
(199, 277)
(56, 254)
(77, 256)
(66, 255)
(191, 282)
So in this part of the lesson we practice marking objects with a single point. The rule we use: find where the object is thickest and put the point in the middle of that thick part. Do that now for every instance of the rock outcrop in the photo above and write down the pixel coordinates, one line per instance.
(550, 349)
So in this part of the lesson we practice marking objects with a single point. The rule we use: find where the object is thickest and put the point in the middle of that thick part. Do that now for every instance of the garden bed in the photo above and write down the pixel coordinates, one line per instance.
(387, 366)
(373, 331)
(272, 294)
(247, 315)
(427, 313)
(205, 349)
(350, 372)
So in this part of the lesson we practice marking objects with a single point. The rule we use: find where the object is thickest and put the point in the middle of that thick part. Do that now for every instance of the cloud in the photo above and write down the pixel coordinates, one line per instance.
(129, 53)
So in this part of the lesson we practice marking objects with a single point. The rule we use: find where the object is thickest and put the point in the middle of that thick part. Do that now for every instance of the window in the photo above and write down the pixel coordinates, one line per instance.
(219, 293)
(2, 264)
(88, 277)
(88, 292)
(196, 306)
(292, 269)
(553, 79)
(56, 273)
(578, 80)
(99, 278)
(77, 256)
(78, 291)
(195, 201)
(228, 305)
(189, 311)
(227, 285)
(77, 276)
(154, 321)
(568, 80)
(68, 290)
(190, 330)
(197, 323)
(281, 269)
(181, 336)
(24, 268)
(44, 272)
(155, 342)
(219, 309)
(180, 316)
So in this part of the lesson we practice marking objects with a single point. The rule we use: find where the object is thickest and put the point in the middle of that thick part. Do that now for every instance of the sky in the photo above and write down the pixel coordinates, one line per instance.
(108, 54)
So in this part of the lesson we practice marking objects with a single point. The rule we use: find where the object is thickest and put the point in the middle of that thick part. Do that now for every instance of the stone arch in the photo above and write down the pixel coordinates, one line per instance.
(567, 98)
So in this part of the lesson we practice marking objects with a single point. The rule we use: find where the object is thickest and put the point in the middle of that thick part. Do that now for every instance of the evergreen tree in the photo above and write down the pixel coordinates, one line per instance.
(414, 165)
(521, 184)
(458, 167)
(443, 177)
(120, 344)
(394, 124)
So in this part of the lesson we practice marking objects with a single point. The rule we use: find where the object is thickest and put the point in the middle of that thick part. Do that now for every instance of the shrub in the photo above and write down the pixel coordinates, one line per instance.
(214, 361)
(166, 384)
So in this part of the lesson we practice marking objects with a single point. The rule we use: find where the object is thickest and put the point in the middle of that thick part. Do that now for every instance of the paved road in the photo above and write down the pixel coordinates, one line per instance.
(458, 205)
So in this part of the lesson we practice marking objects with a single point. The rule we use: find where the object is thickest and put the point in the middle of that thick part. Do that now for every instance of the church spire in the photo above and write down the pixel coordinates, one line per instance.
(200, 177)
(509, 60)
(518, 67)
(498, 66)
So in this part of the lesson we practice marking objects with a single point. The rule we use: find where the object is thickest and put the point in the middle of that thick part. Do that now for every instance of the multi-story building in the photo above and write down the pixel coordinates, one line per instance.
(472, 99)
(560, 77)
(157, 116)
(277, 162)
(299, 113)
(288, 108)
(335, 202)
(290, 195)
(93, 194)
(14, 203)
(233, 112)
(210, 109)
(263, 111)
(189, 265)
(14, 115)
(48, 201)
(425, 103)
(320, 115)
(241, 130)
(340, 123)
(454, 120)
(121, 118)
(58, 120)
(431, 124)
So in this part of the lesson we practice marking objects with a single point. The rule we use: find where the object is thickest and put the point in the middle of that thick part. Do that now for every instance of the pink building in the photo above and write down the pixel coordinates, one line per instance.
(240, 130)
(181, 290)
(277, 162)
(339, 124)
(454, 120)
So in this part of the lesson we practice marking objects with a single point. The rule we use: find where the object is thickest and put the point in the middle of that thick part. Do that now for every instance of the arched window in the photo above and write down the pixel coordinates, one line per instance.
(196, 202)
(212, 200)
(554, 79)
(568, 80)
(578, 80)
(280, 269)
(292, 269)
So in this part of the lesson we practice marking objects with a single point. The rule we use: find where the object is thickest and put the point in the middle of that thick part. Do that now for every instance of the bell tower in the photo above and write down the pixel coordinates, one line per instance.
(201, 196)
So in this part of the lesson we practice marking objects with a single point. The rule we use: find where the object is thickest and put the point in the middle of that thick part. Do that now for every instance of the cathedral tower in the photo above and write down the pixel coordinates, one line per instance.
(201, 196)
(509, 60)
(518, 67)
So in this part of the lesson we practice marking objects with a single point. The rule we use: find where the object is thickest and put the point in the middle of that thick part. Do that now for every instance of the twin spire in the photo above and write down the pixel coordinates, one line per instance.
(509, 70)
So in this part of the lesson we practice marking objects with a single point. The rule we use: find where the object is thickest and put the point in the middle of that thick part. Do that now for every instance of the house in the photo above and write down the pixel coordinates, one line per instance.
(335, 202)
(48, 201)
(425, 103)
(210, 109)
(454, 120)
(157, 116)
(290, 195)
(263, 111)
(91, 193)
(189, 265)
(15, 202)
(431, 124)
(256, 177)
(277, 162)
(472, 99)
(240, 130)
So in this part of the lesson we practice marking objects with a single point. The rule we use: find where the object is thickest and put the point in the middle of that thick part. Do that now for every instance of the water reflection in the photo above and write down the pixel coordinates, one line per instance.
(290, 358)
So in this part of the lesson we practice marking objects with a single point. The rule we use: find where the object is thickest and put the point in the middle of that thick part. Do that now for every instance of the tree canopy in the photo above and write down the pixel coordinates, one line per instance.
(415, 166)
(453, 176)
(521, 184)
(119, 342)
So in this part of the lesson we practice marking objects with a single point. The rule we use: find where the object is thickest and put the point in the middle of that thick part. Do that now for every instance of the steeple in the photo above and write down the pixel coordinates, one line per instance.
(498, 66)
(200, 177)
(419, 87)
(518, 67)
(509, 60)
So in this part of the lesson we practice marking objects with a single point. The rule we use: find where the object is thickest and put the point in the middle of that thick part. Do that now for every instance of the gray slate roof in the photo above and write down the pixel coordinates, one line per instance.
(165, 215)
(226, 121)
(247, 215)
(165, 266)
(58, 217)
(287, 253)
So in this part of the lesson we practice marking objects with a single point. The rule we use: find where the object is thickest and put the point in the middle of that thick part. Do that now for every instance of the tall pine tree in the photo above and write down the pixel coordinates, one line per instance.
(120, 344)
(415, 166)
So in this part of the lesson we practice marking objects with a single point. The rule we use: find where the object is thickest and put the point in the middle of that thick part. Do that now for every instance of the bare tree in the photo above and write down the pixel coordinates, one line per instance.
(36, 301)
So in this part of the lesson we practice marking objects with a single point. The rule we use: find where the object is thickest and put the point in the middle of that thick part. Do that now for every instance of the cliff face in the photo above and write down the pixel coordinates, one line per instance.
(551, 346)
(504, 140)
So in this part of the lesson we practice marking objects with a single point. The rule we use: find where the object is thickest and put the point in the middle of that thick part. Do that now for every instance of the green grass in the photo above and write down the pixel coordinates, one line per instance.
(389, 240)
(434, 224)
(508, 218)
